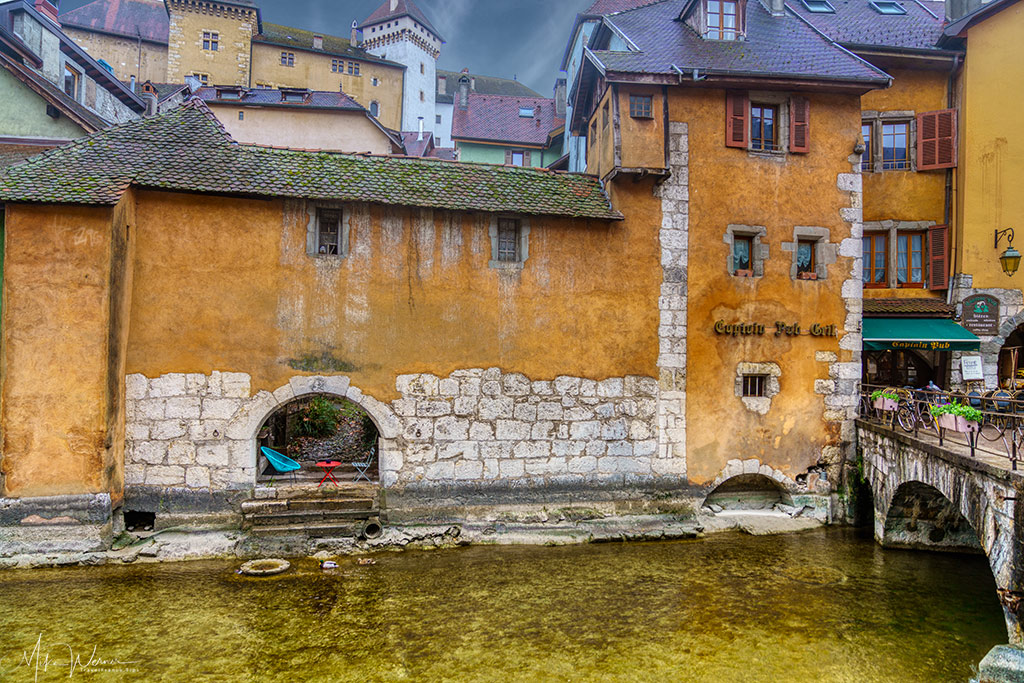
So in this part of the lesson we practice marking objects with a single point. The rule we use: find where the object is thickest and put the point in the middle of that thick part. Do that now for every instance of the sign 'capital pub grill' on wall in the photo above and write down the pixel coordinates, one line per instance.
(778, 328)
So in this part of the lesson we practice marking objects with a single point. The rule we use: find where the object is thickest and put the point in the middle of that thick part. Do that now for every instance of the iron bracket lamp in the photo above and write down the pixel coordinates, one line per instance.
(1009, 260)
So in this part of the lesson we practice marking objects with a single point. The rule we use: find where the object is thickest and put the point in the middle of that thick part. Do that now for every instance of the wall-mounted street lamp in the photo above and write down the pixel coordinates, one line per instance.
(1009, 259)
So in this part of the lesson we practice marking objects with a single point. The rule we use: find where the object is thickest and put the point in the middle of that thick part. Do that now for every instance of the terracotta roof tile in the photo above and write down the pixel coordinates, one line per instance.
(403, 8)
(187, 150)
(856, 23)
(774, 46)
(496, 118)
(907, 308)
(129, 18)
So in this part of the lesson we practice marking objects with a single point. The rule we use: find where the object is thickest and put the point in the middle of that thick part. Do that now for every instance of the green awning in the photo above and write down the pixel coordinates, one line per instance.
(924, 334)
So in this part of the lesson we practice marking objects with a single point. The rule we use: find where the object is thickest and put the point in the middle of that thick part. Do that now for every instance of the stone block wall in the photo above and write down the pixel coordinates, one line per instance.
(474, 428)
(176, 431)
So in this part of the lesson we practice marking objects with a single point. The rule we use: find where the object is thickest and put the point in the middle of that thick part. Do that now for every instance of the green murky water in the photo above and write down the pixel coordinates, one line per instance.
(820, 606)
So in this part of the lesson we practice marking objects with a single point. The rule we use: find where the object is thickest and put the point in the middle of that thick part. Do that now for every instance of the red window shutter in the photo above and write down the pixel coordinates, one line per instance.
(737, 131)
(938, 257)
(526, 158)
(799, 125)
(936, 140)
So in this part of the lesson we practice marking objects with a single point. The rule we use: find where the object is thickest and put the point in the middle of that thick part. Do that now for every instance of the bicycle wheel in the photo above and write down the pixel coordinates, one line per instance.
(905, 417)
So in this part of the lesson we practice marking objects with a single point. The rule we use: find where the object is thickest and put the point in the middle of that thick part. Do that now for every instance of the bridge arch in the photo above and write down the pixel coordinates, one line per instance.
(905, 474)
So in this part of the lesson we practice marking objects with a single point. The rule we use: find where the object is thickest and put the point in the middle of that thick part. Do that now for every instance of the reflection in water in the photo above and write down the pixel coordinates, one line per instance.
(820, 606)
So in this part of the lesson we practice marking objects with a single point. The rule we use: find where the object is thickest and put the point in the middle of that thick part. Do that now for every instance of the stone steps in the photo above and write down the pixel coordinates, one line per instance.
(339, 515)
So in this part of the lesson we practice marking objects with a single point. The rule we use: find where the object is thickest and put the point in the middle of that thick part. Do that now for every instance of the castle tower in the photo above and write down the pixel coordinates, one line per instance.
(399, 32)
(211, 39)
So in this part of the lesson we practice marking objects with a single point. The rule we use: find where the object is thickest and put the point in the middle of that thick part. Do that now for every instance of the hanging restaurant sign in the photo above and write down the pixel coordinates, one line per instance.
(981, 314)
(778, 329)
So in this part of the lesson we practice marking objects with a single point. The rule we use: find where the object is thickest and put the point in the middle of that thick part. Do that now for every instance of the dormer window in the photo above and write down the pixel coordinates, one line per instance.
(888, 7)
(293, 96)
(722, 19)
(526, 112)
(818, 6)
(229, 94)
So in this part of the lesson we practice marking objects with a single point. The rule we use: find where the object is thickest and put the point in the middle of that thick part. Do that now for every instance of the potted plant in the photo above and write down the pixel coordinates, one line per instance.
(957, 416)
(807, 275)
(884, 399)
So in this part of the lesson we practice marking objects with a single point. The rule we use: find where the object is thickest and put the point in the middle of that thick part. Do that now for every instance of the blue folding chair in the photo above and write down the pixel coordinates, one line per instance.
(363, 467)
(282, 464)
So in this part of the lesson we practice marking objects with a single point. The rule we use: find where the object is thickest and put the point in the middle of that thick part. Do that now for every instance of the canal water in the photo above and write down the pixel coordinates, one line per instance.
(825, 605)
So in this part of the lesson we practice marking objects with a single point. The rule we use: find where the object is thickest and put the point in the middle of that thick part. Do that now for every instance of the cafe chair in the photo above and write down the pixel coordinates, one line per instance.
(364, 466)
(282, 464)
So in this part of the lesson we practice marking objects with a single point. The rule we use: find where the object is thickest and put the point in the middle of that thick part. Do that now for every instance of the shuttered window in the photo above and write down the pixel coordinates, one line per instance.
(736, 129)
(799, 125)
(938, 257)
(517, 157)
(936, 140)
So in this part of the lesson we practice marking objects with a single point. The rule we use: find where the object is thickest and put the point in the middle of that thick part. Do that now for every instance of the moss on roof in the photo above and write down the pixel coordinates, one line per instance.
(187, 150)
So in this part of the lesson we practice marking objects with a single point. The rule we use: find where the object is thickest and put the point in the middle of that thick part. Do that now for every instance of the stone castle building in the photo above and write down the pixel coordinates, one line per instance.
(387, 63)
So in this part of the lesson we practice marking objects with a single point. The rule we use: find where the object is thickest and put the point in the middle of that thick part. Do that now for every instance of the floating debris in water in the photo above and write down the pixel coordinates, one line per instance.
(366, 560)
(267, 567)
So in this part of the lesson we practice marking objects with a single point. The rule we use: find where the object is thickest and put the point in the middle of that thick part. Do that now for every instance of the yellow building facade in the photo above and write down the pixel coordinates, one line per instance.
(145, 60)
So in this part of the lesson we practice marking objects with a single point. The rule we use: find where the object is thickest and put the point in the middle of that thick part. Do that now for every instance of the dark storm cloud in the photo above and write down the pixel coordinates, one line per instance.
(520, 38)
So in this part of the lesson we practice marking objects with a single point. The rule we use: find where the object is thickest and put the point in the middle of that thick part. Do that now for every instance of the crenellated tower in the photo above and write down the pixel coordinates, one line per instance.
(400, 32)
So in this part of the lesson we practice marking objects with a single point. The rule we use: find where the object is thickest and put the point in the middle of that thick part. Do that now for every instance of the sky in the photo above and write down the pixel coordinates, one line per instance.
(509, 38)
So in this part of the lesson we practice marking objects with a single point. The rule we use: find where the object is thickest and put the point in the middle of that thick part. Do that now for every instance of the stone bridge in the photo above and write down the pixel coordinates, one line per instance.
(940, 498)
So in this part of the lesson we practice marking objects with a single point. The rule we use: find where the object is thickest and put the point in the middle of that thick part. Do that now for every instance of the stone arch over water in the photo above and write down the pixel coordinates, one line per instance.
(748, 492)
(984, 497)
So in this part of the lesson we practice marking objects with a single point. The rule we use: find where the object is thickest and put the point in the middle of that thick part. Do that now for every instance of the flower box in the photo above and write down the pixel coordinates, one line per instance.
(807, 276)
(957, 423)
(743, 273)
(887, 404)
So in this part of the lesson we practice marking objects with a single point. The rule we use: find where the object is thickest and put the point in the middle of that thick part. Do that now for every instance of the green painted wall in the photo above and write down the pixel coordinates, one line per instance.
(495, 154)
(23, 113)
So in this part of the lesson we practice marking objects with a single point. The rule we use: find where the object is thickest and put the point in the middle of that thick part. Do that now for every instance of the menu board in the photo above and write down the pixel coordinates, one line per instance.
(981, 314)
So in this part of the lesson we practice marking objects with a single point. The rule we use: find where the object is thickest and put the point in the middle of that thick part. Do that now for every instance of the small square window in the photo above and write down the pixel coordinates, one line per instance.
(374, 81)
(203, 78)
(287, 59)
(337, 66)
(423, 96)
(423, 69)
(754, 385)
(806, 263)
(356, 71)
(526, 112)
(742, 255)
(241, 116)
(508, 240)
(518, 158)
(818, 6)
(328, 232)
(640, 106)
(211, 41)
(437, 118)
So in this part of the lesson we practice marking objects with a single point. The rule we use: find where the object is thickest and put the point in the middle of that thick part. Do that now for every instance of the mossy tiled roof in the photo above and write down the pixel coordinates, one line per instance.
(187, 150)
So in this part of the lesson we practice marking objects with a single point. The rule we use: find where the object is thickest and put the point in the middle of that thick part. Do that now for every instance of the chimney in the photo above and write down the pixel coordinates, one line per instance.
(49, 8)
(318, 42)
(463, 92)
(778, 8)
(150, 99)
(354, 40)
(131, 83)
(560, 98)
(419, 138)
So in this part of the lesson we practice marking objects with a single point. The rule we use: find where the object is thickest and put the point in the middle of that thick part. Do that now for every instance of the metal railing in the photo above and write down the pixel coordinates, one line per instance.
(1000, 432)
